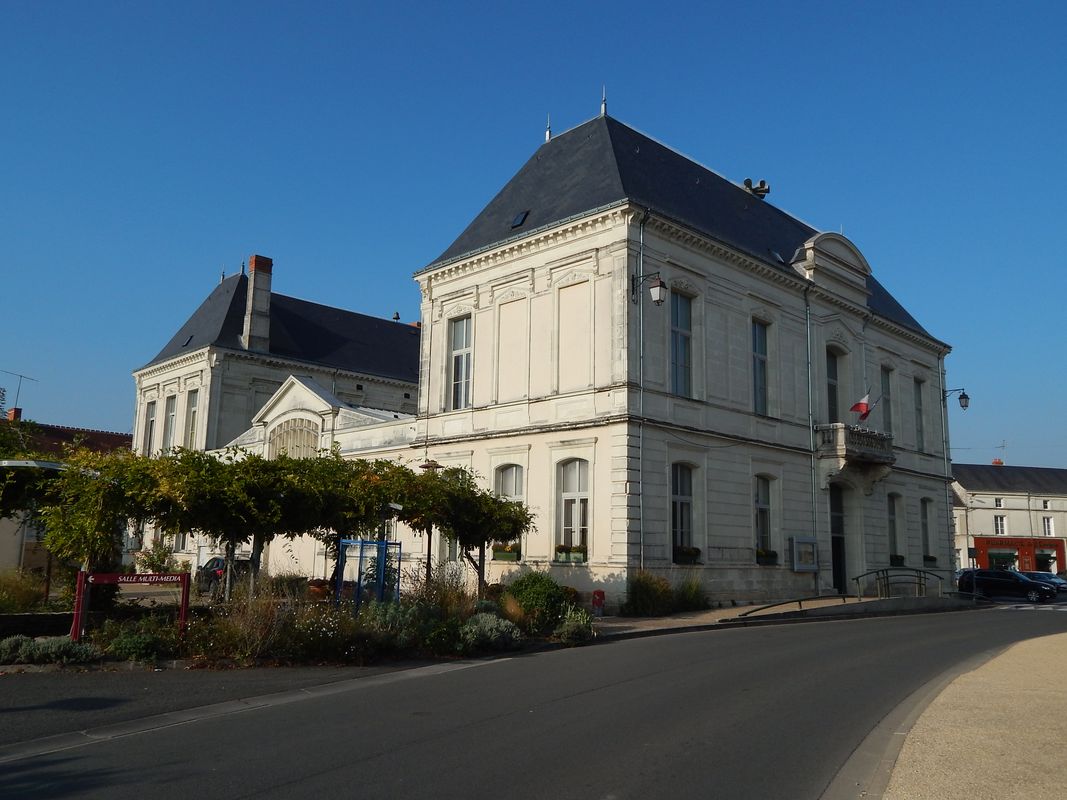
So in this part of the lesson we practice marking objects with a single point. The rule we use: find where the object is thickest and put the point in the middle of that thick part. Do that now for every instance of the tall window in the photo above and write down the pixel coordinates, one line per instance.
(892, 501)
(574, 503)
(887, 400)
(681, 345)
(682, 505)
(170, 412)
(1046, 526)
(924, 524)
(149, 426)
(461, 357)
(192, 404)
(762, 500)
(1000, 525)
(920, 443)
(833, 412)
(509, 482)
(759, 367)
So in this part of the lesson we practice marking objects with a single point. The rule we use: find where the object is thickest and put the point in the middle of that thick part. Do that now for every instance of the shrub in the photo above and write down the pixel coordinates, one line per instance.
(575, 627)
(647, 595)
(61, 650)
(489, 632)
(487, 607)
(689, 596)
(50, 650)
(159, 557)
(143, 639)
(443, 638)
(16, 649)
(540, 599)
(244, 630)
(20, 592)
(322, 632)
(447, 591)
(399, 626)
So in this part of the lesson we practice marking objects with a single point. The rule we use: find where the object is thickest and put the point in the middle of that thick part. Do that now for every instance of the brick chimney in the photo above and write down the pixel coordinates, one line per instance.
(14, 414)
(256, 332)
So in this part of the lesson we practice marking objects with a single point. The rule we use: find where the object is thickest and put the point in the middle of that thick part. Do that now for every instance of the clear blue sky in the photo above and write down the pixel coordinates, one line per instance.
(145, 147)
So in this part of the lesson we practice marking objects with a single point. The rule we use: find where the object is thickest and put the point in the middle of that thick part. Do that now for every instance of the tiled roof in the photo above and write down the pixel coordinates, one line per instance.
(997, 478)
(302, 331)
(46, 438)
(603, 162)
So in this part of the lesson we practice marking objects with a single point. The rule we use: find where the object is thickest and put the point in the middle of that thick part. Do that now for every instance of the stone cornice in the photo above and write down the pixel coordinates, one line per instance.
(151, 371)
(536, 241)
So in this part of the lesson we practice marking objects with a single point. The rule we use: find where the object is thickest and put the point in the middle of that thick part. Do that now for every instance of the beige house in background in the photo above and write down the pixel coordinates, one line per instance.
(705, 432)
(1012, 517)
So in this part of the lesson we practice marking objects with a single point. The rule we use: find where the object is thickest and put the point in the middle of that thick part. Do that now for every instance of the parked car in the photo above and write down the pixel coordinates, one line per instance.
(1047, 577)
(210, 576)
(1004, 583)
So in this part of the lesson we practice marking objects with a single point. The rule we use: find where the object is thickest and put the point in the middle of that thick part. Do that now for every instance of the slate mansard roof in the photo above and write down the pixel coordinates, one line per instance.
(1011, 480)
(603, 163)
(302, 331)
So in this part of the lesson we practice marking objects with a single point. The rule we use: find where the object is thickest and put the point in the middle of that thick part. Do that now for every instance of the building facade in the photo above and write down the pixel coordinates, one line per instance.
(1010, 517)
(706, 434)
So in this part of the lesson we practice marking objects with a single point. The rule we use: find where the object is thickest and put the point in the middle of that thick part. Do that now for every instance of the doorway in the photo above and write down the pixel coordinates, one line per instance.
(837, 538)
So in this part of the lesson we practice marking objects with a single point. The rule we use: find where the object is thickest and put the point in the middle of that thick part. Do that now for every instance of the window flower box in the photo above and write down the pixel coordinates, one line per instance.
(686, 555)
(766, 558)
(571, 553)
(896, 560)
(929, 561)
(506, 552)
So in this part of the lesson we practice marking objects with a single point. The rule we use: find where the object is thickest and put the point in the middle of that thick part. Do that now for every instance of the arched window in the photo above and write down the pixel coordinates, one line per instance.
(509, 482)
(298, 438)
(573, 520)
(681, 505)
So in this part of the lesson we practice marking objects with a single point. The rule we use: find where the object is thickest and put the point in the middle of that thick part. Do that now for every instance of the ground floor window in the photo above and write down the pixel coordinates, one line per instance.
(572, 534)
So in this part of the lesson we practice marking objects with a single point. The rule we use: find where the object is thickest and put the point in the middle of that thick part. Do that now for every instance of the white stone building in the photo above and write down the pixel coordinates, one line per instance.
(210, 385)
(712, 428)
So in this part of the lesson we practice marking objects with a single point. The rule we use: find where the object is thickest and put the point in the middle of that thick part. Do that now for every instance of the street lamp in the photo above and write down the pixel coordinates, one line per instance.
(965, 399)
(657, 288)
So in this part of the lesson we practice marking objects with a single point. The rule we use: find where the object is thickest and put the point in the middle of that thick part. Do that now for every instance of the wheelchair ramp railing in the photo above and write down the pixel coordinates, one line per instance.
(902, 582)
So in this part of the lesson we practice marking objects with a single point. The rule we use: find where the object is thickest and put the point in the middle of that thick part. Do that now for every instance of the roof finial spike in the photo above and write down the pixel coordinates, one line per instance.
(223, 278)
(242, 268)
(548, 128)
(604, 102)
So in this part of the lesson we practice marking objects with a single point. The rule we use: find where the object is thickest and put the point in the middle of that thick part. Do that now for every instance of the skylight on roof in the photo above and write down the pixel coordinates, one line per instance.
(520, 218)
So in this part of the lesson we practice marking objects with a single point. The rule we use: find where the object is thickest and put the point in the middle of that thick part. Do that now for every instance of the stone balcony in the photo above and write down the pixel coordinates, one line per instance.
(858, 456)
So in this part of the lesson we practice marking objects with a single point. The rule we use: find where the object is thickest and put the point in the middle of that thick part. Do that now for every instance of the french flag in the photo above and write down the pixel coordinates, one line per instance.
(863, 407)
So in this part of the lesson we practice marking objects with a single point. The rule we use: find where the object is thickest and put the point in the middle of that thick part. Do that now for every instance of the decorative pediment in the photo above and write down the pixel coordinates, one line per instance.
(297, 394)
(573, 277)
(509, 295)
(682, 286)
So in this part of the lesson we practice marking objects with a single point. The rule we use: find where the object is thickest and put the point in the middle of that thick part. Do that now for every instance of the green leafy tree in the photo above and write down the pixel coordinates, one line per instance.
(475, 518)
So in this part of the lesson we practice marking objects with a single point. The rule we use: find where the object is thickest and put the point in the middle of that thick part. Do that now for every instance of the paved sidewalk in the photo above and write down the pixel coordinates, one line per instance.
(993, 734)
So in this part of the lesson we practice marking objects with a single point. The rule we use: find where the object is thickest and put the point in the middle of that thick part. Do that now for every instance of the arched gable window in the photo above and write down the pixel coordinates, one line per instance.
(298, 438)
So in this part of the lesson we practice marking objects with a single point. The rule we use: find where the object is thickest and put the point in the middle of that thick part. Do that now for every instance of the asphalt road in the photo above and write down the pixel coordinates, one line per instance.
(770, 712)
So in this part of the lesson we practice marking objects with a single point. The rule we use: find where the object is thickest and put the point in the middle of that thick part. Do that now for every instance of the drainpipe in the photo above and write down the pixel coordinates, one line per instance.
(641, 391)
(948, 468)
(811, 431)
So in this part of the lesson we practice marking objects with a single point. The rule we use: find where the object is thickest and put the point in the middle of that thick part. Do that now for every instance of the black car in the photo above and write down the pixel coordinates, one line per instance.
(210, 576)
(1005, 583)
(1047, 577)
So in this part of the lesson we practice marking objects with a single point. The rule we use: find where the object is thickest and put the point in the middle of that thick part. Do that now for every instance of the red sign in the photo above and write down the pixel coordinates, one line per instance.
(144, 577)
(86, 580)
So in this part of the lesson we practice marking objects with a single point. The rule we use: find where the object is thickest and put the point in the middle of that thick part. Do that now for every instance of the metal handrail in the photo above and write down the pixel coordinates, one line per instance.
(799, 601)
(884, 579)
